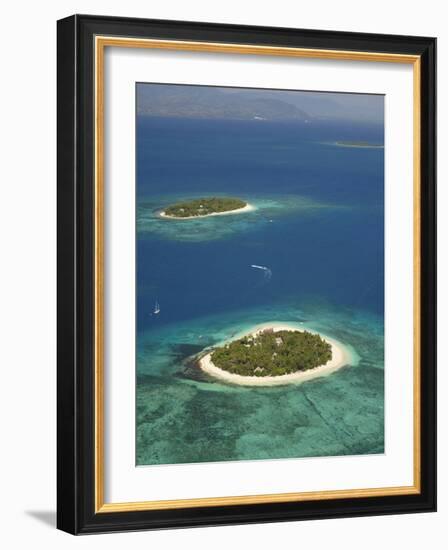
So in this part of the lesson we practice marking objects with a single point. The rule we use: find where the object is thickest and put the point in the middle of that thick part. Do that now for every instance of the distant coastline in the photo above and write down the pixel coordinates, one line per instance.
(357, 144)
(341, 356)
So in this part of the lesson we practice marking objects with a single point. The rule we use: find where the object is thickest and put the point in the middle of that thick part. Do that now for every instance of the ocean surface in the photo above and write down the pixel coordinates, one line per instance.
(318, 227)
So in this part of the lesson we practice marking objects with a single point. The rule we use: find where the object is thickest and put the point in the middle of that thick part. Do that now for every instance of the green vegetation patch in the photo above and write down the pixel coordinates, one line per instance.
(204, 206)
(272, 353)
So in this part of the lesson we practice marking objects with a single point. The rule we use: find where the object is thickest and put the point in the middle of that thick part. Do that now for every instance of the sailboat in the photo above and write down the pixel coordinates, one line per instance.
(156, 308)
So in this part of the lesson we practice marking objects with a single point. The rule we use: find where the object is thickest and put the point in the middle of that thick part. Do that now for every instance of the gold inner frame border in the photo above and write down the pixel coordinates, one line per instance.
(101, 42)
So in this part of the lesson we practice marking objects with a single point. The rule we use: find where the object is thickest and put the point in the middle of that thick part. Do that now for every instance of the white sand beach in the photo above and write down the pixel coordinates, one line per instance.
(341, 356)
(244, 209)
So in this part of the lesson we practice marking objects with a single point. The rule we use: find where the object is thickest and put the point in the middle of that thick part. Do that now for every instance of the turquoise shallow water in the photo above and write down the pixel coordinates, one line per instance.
(185, 416)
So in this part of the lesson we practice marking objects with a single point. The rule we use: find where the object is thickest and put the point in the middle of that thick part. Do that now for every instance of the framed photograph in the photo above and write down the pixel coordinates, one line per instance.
(246, 274)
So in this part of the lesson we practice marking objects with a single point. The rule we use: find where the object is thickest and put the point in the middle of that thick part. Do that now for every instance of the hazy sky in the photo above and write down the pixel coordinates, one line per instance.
(217, 102)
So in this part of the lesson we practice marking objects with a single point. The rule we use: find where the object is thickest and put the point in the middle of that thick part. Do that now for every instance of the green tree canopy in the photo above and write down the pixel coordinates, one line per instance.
(204, 206)
(272, 353)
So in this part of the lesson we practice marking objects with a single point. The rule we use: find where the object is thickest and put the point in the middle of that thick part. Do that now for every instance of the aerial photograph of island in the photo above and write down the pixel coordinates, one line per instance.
(259, 274)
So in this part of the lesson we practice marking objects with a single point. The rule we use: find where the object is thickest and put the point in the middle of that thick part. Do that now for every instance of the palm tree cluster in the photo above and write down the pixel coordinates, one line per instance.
(204, 206)
(270, 353)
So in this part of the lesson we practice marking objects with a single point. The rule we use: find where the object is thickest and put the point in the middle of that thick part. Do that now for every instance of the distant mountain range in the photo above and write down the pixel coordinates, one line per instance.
(171, 100)
(208, 102)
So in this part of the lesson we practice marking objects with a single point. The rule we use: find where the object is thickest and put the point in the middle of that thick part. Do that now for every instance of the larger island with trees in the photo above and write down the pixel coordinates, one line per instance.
(207, 206)
(275, 354)
(270, 353)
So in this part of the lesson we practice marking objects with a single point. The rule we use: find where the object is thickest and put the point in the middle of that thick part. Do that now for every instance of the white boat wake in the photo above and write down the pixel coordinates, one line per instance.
(266, 270)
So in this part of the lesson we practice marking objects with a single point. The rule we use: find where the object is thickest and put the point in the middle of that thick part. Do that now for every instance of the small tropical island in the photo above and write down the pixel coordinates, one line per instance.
(275, 354)
(270, 353)
(209, 206)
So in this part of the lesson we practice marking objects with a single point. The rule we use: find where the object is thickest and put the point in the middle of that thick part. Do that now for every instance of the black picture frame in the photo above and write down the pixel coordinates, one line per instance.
(76, 511)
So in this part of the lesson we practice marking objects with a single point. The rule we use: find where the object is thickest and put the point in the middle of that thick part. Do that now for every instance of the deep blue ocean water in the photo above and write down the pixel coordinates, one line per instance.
(318, 226)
